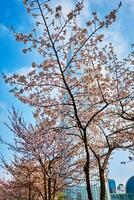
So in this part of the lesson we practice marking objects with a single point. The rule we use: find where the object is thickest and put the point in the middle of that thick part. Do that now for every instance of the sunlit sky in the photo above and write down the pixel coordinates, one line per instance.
(12, 12)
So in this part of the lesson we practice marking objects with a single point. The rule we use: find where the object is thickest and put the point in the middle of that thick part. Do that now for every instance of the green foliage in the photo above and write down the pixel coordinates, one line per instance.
(61, 196)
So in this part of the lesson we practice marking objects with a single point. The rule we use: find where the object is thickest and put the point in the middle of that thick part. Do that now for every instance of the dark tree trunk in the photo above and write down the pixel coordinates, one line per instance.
(49, 189)
(102, 184)
(54, 189)
(89, 193)
(86, 169)
(29, 187)
(29, 193)
(49, 181)
(45, 188)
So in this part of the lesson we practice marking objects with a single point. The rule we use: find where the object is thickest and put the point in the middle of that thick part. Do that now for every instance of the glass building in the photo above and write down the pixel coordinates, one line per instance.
(130, 185)
(79, 192)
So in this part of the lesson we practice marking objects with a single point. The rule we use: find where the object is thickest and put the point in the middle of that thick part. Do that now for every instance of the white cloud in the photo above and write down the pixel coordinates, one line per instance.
(118, 40)
(24, 70)
(68, 5)
(5, 32)
(20, 71)
(130, 5)
(3, 105)
(85, 14)
(121, 173)
(3, 28)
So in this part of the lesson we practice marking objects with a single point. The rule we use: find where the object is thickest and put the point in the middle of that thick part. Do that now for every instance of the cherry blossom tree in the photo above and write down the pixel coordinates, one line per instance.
(11, 190)
(25, 179)
(80, 85)
(4, 190)
(126, 110)
(46, 163)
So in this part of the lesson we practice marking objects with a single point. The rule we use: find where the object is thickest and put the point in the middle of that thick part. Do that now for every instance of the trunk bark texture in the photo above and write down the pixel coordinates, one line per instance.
(86, 170)
(102, 185)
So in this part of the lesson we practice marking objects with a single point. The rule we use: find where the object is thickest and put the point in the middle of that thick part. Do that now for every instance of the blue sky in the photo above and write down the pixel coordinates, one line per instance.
(12, 12)
(11, 59)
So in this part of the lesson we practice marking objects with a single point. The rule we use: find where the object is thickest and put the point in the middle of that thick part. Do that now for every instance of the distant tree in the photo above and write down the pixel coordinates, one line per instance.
(79, 84)
(61, 196)
(25, 179)
(46, 163)
(10, 191)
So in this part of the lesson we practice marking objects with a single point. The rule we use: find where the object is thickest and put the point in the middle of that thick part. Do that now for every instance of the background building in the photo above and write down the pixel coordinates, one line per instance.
(112, 185)
(130, 185)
